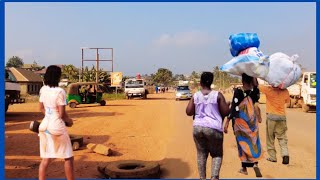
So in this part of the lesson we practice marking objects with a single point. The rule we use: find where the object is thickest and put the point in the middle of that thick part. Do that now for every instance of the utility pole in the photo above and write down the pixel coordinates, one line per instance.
(97, 66)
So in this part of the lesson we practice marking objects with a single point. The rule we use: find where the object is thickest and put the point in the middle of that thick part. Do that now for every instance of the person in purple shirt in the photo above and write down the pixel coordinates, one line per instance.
(209, 108)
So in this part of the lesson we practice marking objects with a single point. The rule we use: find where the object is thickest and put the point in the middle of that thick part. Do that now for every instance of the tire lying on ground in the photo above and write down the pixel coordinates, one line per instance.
(76, 141)
(132, 169)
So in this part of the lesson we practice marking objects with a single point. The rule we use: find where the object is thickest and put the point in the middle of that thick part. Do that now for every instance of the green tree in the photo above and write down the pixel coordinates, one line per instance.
(223, 79)
(194, 75)
(15, 61)
(90, 75)
(179, 77)
(70, 72)
(103, 76)
(163, 76)
(36, 67)
(124, 78)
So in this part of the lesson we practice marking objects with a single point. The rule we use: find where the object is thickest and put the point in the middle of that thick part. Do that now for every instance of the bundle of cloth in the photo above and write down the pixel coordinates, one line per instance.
(244, 47)
(279, 70)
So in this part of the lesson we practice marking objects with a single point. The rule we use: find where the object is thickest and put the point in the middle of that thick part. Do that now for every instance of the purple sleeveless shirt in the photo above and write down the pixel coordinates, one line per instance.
(207, 111)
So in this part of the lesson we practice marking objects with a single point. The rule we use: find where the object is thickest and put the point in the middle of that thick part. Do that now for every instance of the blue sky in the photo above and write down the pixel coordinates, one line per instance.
(146, 36)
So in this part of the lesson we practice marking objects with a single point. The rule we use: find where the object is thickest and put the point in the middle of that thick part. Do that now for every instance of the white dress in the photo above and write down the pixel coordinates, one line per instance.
(54, 139)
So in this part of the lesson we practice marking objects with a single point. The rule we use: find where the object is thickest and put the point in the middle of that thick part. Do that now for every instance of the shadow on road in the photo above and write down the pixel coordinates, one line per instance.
(174, 168)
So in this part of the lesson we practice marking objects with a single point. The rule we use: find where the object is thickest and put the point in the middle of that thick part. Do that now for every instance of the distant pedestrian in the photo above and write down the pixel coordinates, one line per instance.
(157, 89)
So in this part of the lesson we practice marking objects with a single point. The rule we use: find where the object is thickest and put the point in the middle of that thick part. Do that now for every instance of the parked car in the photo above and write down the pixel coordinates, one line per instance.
(183, 92)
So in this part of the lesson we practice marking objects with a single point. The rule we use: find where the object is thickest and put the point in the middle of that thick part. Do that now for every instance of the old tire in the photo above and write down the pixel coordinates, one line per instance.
(76, 142)
(133, 170)
(73, 105)
(103, 103)
(34, 126)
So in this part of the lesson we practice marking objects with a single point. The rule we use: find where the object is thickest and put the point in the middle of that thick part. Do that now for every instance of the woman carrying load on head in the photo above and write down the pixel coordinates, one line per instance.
(245, 116)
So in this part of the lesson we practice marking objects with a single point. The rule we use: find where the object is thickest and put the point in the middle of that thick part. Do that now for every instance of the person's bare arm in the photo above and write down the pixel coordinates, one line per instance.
(255, 82)
(226, 125)
(64, 116)
(223, 106)
(41, 107)
(190, 108)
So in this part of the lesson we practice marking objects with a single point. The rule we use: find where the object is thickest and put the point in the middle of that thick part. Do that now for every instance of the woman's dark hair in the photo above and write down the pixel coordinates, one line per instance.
(206, 79)
(52, 76)
(246, 79)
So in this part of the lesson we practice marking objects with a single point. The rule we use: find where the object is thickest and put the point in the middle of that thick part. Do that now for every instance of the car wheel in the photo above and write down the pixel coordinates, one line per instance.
(305, 108)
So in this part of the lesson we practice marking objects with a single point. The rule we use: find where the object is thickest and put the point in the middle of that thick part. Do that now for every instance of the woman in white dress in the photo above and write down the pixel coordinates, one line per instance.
(54, 139)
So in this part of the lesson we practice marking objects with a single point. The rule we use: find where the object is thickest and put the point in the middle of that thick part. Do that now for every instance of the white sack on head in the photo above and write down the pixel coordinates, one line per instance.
(284, 70)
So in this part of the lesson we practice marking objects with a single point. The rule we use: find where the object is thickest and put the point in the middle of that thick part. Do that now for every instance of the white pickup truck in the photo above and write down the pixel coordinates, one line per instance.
(303, 94)
(135, 88)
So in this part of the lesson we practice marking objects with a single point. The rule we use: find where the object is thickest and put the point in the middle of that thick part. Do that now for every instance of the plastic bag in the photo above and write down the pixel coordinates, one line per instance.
(242, 41)
(251, 61)
(283, 71)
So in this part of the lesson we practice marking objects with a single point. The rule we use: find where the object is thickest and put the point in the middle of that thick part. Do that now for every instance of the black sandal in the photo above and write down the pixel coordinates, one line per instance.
(271, 160)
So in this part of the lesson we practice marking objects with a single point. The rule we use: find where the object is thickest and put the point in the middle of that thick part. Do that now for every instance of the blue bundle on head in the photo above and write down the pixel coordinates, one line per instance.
(241, 41)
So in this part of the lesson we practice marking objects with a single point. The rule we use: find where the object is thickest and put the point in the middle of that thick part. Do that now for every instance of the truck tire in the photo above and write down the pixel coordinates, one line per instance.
(305, 108)
(132, 169)
(288, 105)
(291, 103)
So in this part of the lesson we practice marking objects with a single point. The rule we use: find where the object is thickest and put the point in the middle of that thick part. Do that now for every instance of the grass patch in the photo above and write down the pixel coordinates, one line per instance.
(113, 96)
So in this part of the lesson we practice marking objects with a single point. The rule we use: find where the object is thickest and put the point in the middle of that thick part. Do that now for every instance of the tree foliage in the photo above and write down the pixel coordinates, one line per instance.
(36, 67)
(163, 76)
(90, 75)
(222, 79)
(15, 61)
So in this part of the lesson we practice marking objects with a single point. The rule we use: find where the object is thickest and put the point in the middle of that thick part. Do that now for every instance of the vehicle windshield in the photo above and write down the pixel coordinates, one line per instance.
(313, 80)
(134, 83)
(182, 88)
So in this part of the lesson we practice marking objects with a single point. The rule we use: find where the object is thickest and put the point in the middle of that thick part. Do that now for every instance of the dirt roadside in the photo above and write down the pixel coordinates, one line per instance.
(155, 129)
